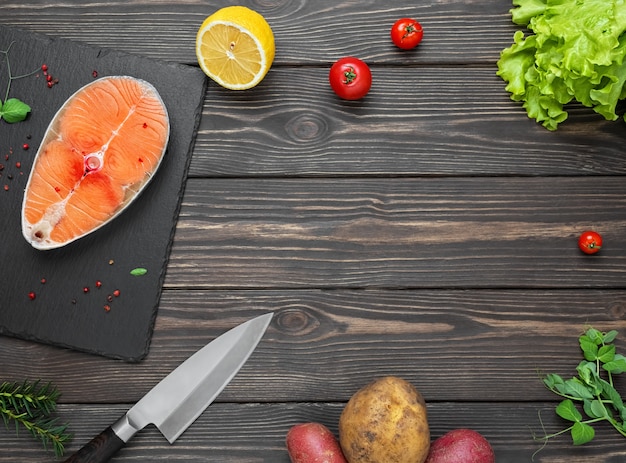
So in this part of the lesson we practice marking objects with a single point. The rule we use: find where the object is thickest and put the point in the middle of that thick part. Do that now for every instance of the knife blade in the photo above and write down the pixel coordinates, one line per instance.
(179, 398)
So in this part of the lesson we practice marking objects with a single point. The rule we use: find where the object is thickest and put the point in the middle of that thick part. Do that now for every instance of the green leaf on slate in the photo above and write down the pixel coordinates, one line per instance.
(14, 110)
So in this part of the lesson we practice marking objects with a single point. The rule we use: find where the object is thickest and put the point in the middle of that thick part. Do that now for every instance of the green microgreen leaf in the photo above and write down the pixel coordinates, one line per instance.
(589, 348)
(611, 394)
(568, 411)
(598, 409)
(14, 110)
(616, 366)
(551, 380)
(606, 353)
(610, 336)
(139, 271)
(589, 410)
(588, 374)
(586, 371)
(576, 389)
(592, 389)
(595, 336)
(582, 433)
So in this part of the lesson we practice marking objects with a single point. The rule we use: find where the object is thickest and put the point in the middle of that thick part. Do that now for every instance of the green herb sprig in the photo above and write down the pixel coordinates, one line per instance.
(591, 396)
(12, 109)
(30, 406)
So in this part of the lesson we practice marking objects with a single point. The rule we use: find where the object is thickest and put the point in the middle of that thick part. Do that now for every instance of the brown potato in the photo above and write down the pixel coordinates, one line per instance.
(385, 422)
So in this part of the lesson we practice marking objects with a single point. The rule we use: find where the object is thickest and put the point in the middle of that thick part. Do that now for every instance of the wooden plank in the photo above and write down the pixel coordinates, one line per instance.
(415, 121)
(306, 32)
(447, 120)
(377, 232)
(324, 345)
(256, 433)
(398, 233)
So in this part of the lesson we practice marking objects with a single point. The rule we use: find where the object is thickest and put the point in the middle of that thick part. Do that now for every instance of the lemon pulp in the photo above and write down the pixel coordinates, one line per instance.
(235, 47)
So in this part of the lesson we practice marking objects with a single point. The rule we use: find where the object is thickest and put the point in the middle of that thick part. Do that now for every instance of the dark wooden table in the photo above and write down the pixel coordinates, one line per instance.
(428, 231)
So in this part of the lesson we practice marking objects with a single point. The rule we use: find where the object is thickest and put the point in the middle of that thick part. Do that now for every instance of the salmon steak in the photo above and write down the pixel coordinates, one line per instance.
(99, 152)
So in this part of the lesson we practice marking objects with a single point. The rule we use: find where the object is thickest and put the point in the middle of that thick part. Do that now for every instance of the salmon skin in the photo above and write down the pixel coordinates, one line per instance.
(99, 152)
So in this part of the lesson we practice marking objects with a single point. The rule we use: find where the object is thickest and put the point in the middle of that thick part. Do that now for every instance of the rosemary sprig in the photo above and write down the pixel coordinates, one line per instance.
(30, 406)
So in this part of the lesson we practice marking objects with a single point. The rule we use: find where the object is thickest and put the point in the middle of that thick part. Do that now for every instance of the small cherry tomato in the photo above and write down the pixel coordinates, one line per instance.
(406, 33)
(590, 242)
(350, 78)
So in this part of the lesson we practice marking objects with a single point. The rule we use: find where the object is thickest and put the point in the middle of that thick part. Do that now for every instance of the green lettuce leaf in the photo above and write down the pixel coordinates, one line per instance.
(573, 51)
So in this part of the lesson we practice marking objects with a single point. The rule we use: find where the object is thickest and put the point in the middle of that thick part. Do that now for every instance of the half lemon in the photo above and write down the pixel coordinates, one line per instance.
(235, 47)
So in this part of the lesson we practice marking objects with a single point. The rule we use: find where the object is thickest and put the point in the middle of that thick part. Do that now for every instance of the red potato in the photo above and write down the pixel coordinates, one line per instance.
(461, 446)
(313, 443)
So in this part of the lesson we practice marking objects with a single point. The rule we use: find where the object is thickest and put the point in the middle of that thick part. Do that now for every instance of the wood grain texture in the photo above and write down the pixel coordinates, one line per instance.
(428, 231)
(454, 345)
(416, 121)
(306, 32)
(255, 433)
(396, 232)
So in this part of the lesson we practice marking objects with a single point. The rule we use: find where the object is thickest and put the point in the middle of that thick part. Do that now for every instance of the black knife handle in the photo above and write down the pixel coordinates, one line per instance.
(100, 449)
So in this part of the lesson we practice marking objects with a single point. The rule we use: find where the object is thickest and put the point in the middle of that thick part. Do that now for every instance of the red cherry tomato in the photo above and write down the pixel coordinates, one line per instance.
(350, 78)
(590, 242)
(406, 33)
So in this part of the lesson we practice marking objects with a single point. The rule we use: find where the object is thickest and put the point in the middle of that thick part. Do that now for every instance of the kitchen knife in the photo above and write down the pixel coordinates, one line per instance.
(174, 403)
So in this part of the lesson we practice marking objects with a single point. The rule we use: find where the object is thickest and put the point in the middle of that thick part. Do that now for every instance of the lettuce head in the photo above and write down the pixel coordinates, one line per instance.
(572, 50)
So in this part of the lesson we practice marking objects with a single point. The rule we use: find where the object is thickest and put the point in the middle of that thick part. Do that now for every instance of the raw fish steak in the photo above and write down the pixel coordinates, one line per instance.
(99, 152)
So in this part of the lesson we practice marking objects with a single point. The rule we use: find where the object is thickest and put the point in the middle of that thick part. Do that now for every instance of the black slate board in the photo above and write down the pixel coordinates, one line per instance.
(63, 313)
